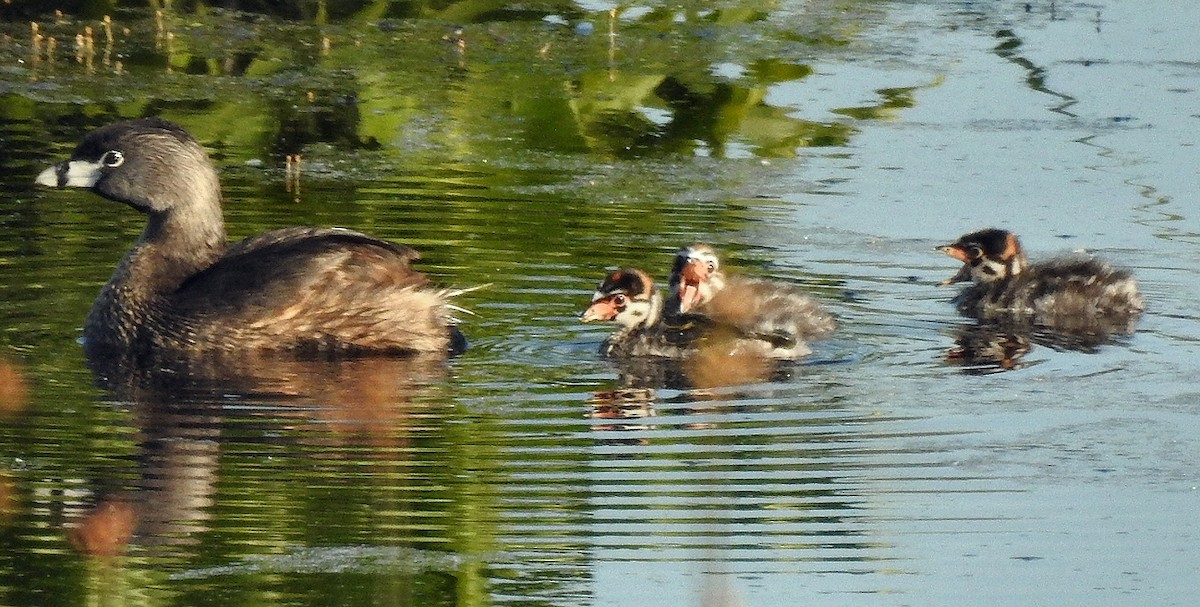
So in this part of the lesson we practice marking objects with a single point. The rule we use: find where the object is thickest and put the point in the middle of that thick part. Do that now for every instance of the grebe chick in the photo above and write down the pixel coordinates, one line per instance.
(1074, 294)
(628, 297)
(756, 306)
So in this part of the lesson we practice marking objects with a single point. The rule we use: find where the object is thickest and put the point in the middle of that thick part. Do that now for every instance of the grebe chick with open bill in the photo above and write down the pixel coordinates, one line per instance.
(755, 306)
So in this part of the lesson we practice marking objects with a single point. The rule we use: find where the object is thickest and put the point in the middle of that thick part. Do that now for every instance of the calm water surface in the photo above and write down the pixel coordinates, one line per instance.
(828, 144)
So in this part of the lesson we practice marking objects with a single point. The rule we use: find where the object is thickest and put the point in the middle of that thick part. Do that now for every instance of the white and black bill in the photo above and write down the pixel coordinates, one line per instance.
(70, 174)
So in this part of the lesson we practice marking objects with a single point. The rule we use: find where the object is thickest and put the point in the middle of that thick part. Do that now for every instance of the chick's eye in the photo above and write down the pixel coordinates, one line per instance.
(112, 158)
(620, 299)
(974, 251)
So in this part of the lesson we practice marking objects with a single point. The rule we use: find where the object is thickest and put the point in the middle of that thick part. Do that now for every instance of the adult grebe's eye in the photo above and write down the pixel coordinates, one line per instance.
(112, 158)
(712, 266)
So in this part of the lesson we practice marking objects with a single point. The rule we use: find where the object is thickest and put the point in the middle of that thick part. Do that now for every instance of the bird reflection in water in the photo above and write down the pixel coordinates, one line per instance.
(984, 349)
(105, 531)
(178, 408)
(701, 380)
(13, 398)
(14, 388)
(623, 409)
(990, 347)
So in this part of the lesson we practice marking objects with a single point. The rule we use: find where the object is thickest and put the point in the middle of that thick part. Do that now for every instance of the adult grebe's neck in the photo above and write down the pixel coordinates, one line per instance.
(175, 244)
(185, 231)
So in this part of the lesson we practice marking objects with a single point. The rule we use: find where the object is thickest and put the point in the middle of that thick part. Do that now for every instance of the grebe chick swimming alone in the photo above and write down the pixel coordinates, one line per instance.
(1073, 294)
(182, 290)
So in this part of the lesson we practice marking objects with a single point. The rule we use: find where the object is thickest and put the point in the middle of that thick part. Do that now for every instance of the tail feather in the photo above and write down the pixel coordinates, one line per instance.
(451, 293)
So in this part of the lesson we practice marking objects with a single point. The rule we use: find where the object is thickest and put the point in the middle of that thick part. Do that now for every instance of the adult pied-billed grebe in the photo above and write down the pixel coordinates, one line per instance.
(1075, 294)
(754, 306)
(182, 290)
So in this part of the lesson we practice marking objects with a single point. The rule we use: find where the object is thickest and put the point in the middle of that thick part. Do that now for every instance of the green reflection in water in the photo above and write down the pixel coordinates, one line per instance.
(644, 89)
(892, 101)
(522, 151)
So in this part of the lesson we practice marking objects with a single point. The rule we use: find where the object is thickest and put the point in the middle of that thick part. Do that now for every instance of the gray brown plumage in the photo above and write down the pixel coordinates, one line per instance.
(1072, 294)
(628, 297)
(771, 310)
(180, 289)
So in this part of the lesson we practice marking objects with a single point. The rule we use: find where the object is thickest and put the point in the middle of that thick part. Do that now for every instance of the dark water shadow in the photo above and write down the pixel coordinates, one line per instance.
(985, 347)
(701, 384)
(707, 369)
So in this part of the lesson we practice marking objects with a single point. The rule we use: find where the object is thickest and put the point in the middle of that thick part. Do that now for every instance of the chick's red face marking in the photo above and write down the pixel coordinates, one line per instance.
(605, 307)
(626, 296)
(988, 256)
